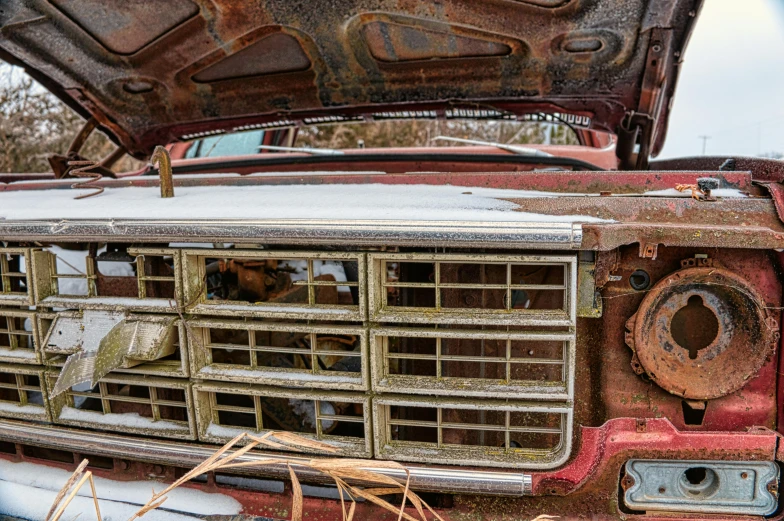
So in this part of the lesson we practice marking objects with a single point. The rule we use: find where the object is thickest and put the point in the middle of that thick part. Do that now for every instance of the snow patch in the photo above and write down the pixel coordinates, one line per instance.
(128, 419)
(27, 490)
(16, 408)
(312, 202)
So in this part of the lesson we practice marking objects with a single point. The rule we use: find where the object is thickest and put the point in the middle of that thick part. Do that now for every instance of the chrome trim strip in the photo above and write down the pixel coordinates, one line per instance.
(507, 234)
(185, 454)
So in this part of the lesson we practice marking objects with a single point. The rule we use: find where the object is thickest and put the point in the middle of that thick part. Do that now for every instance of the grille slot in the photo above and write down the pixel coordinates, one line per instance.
(492, 432)
(482, 363)
(128, 403)
(15, 287)
(518, 290)
(22, 393)
(328, 357)
(147, 280)
(276, 284)
(337, 418)
(17, 343)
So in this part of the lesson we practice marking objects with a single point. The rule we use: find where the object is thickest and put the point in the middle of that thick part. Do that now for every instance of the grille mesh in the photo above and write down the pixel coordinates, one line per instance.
(437, 358)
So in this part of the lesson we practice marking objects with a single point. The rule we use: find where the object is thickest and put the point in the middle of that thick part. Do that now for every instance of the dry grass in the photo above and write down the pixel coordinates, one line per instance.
(71, 487)
(343, 472)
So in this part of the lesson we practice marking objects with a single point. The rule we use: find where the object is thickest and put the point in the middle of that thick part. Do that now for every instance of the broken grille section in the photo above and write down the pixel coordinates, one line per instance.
(139, 279)
(324, 285)
(326, 357)
(491, 433)
(18, 337)
(15, 286)
(337, 418)
(127, 403)
(152, 344)
(478, 362)
(520, 290)
(22, 393)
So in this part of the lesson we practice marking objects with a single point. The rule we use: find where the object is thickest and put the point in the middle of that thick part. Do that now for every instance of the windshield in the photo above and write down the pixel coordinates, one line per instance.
(384, 134)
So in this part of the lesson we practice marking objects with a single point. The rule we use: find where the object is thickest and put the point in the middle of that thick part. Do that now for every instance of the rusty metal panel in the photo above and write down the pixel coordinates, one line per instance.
(481, 363)
(16, 288)
(505, 294)
(337, 418)
(23, 393)
(267, 294)
(319, 357)
(142, 405)
(493, 433)
(19, 338)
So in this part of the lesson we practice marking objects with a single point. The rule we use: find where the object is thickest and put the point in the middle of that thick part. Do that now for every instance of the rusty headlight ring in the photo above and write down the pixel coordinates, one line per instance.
(701, 333)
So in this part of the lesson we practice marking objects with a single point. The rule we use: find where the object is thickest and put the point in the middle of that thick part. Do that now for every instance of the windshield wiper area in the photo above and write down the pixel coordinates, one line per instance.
(515, 149)
(304, 150)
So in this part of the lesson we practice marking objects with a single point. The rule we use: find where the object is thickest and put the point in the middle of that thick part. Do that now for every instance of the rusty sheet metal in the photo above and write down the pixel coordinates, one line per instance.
(151, 75)
(625, 394)
(764, 169)
(701, 332)
(609, 183)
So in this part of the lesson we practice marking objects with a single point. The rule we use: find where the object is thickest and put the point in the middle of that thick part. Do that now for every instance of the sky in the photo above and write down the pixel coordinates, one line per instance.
(731, 86)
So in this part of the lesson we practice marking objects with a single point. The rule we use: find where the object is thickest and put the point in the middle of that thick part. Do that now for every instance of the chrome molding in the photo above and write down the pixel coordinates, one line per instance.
(508, 235)
(184, 454)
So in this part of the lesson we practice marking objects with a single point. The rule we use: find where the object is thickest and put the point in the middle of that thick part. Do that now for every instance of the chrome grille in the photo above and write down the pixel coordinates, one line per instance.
(128, 403)
(326, 357)
(154, 286)
(301, 295)
(443, 358)
(492, 432)
(15, 286)
(473, 289)
(474, 362)
(337, 418)
(22, 393)
(18, 337)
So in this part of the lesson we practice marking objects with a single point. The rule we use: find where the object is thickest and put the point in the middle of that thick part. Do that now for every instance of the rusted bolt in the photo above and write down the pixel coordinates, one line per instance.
(158, 470)
(656, 47)
(773, 488)
(662, 490)
(744, 475)
(642, 425)
(627, 482)
(124, 464)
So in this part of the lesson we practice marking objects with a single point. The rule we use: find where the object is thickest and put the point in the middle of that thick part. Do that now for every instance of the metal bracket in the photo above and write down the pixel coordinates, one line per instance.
(715, 487)
(648, 250)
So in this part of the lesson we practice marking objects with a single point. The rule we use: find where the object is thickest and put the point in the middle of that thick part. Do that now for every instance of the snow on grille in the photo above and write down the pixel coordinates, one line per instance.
(127, 403)
(15, 287)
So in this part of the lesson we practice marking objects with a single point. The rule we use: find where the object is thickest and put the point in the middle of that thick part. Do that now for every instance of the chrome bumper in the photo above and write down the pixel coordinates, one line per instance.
(184, 454)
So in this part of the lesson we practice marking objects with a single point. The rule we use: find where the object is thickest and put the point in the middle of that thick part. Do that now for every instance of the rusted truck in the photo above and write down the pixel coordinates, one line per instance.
(576, 331)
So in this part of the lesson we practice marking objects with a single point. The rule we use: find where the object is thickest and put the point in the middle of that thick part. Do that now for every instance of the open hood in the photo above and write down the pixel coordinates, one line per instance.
(155, 71)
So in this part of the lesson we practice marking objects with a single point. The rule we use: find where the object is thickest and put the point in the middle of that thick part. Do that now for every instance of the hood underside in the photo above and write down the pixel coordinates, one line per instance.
(156, 71)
